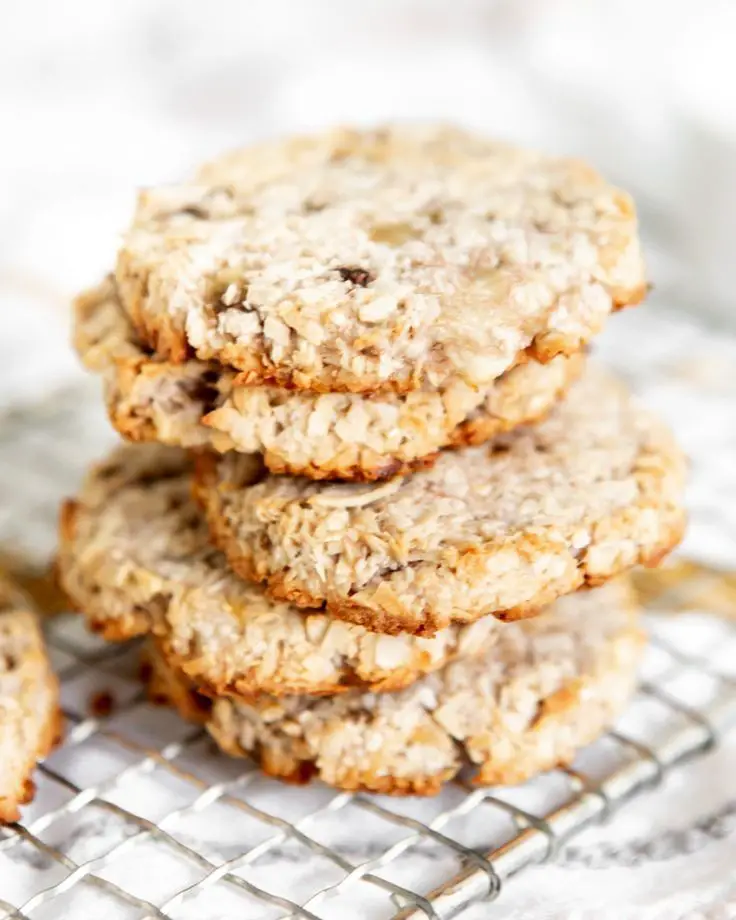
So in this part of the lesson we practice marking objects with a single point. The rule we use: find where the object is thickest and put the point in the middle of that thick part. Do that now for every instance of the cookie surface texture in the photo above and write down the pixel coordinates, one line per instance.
(503, 529)
(378, 260)
(324, 436)
(549, 686)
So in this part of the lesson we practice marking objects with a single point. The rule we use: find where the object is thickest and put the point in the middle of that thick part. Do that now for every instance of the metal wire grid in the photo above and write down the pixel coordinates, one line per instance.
(140, 789)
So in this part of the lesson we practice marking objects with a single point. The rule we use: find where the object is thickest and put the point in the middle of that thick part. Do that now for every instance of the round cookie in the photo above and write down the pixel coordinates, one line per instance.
(548, 687)
(30, 720)
(377, 260)
(505, 529)
(135, 558)
(323, 436)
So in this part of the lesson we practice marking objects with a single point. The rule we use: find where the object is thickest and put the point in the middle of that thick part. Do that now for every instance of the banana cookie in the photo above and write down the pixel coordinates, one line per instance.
(504, 529)
(135, 558)
(322, 436)
(547, 687)
(30, 720)
(379, 260)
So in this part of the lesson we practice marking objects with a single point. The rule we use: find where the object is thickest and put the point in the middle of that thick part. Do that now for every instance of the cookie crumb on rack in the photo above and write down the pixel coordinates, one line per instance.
(102, 704)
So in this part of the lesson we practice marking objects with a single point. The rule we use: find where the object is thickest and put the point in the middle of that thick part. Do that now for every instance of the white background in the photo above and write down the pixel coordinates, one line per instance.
(100, 96)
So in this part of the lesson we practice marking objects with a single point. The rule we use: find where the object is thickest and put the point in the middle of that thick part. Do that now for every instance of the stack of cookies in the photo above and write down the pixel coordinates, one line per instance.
(378, 468)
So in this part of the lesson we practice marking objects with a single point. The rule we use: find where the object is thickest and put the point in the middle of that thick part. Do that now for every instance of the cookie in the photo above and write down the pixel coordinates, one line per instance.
(30, 720)
(135, 558)
(366, 261)
(546, 688)
(504, 529)
(323, 436)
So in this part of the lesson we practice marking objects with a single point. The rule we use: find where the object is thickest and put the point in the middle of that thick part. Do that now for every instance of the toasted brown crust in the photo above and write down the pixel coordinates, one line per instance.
(250, 682)
(542, 349)
(482, 425)
(165, 686)
(531, 715)
(383, 622)
(499, 251)
(30, 719)
(357, 438)
(387, 623)
(587, 494)
(135, 558)
(49, 738)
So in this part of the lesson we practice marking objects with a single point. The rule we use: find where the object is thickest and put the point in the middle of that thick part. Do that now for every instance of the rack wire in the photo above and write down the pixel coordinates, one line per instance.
(136, 815)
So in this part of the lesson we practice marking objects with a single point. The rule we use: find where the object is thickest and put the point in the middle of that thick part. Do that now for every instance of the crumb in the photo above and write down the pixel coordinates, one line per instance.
(102, 704)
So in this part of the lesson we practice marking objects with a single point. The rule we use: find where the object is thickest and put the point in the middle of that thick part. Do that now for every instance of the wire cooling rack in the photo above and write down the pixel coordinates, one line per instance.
(136, 815)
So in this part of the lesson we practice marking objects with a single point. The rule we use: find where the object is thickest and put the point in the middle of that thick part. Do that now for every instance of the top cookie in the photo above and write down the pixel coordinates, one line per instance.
(379, 260)
(589, 492)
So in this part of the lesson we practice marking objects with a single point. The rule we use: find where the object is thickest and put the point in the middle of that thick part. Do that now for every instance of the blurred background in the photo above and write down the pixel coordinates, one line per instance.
(99, 97)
